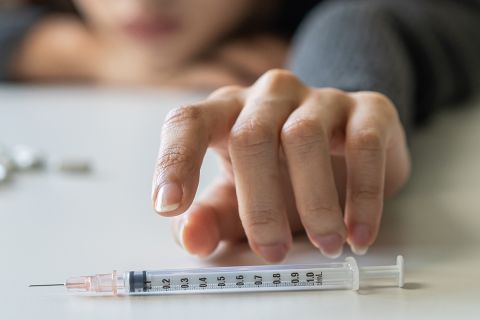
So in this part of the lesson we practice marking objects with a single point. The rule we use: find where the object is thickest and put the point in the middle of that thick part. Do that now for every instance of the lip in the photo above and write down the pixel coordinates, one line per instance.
(147, 29)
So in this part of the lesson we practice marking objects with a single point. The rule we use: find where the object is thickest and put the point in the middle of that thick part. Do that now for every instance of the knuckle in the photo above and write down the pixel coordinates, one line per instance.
(331, 96)
(373, 96)
(367, 139)
(259, 219)
(376, 97)
(175, 156)
(316, 211)
(332, 93)
(279, 78)
(367, 193)
(302, 131)
(275, 74)
(250, 134)
(270, 102)
(186, 113)
(226, 92)
(380, 104)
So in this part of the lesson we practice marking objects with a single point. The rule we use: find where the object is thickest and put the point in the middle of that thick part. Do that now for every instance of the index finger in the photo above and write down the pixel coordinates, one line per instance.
(186, 135)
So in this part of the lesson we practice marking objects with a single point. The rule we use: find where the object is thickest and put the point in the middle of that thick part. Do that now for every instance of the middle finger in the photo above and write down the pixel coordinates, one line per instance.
(306, 139)
(254, 151)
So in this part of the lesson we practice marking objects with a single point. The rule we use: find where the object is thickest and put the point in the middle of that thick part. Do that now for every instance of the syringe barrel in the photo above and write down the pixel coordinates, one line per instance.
(341, 275)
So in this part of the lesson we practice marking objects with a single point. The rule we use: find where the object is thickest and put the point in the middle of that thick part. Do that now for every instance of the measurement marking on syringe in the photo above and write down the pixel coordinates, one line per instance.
(233, 286)
(221, 283)
(238, 281)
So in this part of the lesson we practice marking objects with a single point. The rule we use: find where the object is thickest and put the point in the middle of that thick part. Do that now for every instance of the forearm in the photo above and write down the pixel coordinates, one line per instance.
(420, 54)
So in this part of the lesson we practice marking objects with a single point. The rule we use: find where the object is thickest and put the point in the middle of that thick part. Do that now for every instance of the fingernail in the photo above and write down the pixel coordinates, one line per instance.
(359, 251)
(331, 245)
(168, 198)
(360, 239)
(273, 253)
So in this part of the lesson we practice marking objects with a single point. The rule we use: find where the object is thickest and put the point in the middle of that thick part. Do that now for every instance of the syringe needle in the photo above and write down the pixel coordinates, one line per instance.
(47, 285)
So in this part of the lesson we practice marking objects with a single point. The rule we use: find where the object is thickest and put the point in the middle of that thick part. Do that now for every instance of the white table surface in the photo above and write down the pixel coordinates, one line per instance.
(54, 225)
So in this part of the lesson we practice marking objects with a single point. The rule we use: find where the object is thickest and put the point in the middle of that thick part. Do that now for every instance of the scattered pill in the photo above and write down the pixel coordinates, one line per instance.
(5, 169)
(6, 164)
(74, 165)
(4, 174)
(26, 158)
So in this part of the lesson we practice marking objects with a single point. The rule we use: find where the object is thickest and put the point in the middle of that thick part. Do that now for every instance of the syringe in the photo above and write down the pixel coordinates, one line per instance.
(337, 275)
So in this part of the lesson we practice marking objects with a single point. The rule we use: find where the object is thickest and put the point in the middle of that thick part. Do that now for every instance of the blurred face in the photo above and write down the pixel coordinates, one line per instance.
(172, 30)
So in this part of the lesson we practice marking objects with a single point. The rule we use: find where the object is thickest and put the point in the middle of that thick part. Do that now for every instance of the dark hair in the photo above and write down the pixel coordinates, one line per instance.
(56, 5)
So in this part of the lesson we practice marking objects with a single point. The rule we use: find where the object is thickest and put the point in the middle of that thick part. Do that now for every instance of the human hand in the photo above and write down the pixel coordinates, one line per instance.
(292, 157)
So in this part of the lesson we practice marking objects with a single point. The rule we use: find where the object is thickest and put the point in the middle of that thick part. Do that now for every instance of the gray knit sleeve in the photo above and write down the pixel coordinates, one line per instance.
(422, 54)
(14, 24)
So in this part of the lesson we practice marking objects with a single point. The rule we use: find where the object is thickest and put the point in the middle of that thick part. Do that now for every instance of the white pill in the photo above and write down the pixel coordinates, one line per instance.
(26, 158)
(6, 164)
(3, 174)
(5, 170)
(74, 165)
